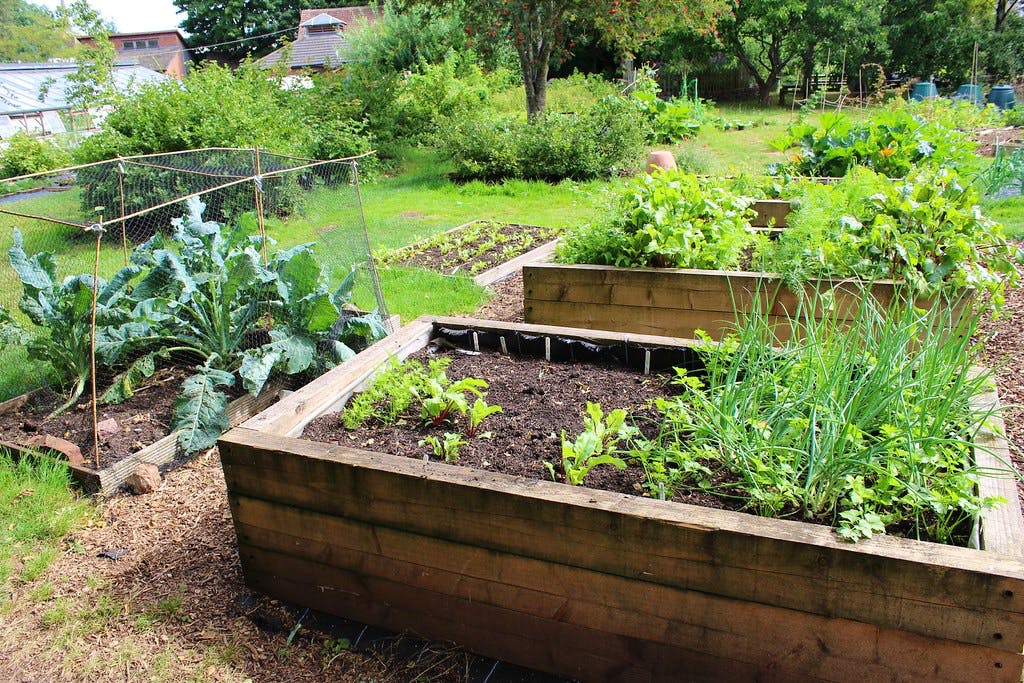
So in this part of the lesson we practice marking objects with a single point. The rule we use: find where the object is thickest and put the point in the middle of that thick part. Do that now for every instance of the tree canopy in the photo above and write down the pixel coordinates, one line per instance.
(542, 32)
(249, 26)
(29, 33)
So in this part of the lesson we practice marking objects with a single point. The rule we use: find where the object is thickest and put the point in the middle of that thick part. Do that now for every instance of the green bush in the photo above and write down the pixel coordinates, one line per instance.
(26, 154)
(669, 219)
(604, 141)
(217, 107)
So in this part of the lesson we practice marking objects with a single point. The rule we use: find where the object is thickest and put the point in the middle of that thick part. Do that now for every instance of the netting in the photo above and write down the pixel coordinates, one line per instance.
(164, 286)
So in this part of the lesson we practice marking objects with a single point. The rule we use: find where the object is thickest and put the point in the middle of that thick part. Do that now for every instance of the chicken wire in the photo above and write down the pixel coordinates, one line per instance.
(135, 222)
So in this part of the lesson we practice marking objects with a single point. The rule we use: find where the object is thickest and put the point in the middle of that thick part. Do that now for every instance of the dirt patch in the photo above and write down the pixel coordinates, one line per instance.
(411, 214)
(142, 420)
(989, 138)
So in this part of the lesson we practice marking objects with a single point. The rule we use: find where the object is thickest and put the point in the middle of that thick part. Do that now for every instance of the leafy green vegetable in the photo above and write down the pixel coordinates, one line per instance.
(62, 314)
(446, 448)
(200, 414)
(669, 219)
(893, 141)
(595, 445)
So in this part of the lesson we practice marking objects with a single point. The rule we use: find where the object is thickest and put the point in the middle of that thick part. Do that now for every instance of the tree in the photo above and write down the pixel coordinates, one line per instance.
(764, 35)
(934, 37)
(249, 26)
(92, 84)
(1004, 9)
(29, 33)
(542, 32)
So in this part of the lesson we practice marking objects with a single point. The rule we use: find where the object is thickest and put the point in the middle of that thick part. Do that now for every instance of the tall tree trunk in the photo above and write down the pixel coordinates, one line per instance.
(808, 66)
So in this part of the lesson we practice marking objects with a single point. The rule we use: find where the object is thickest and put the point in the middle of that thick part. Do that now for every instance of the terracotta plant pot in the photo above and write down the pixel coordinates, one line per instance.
(660, 159)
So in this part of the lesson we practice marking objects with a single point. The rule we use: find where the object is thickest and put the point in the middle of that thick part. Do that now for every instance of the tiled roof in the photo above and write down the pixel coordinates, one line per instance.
(21, 84)
(318, 49)
(349, 15)
(312, 50)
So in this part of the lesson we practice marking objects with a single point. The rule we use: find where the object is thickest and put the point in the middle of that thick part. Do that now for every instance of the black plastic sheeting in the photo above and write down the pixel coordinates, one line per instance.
(562, 349)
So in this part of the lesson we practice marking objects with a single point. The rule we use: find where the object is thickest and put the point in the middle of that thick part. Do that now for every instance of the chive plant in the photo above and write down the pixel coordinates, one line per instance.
(867, 425)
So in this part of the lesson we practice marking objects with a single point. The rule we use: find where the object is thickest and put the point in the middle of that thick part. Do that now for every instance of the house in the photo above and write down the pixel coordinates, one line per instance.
(32, 95)
(321, 38)
(162, 51)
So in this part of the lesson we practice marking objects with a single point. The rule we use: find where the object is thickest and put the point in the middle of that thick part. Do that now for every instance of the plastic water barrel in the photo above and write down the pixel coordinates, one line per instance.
(969, 92)
(1002, 96)
(923, 91)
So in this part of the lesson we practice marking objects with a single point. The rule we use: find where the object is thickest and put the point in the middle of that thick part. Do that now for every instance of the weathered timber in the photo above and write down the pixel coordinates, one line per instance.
(676, 302)
(772, 213)
(604, 586)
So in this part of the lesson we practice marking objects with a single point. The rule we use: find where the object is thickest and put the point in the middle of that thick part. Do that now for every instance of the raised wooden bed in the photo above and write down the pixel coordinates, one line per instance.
(596, 585)
(108, 480)
(674, 301)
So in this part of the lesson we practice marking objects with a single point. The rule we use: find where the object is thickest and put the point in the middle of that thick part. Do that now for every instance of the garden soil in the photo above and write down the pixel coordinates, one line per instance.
(143, 419)
(175, 606)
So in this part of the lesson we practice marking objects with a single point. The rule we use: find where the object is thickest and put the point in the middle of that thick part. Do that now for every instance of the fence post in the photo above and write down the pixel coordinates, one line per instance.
(97, 229)
(258, 189)
(120, 187)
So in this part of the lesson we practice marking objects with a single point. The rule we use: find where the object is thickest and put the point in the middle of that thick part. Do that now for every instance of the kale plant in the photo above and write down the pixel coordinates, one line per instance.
(208, 294)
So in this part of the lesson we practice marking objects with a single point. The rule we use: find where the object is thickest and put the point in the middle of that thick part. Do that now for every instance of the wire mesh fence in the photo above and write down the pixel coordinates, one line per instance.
(167, 285)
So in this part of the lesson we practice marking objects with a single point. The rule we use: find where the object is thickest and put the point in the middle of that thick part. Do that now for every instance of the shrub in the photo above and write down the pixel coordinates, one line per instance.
(669, 219)
(604, 141)
(25, 154)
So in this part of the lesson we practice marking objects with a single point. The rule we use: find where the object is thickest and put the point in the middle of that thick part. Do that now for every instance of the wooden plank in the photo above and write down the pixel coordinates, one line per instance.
(727, 630)
(484, 629)
(591, 335)
(510, 267)
(292, 413)
(929, 589)
(1002, 527)
(640, 319)
(774, 212)
(678, 301)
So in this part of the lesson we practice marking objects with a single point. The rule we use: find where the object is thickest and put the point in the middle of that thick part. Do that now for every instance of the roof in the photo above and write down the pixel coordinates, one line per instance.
(21, 84)
(323, 19)
(317, 49)
(181, 36)
(313, 50)
(346, 15)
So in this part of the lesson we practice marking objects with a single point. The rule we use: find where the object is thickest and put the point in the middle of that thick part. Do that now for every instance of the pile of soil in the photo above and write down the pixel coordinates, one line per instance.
(142, 420)
(422, 255)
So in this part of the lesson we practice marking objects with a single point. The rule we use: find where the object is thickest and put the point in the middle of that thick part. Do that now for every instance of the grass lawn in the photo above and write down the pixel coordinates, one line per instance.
(39, 510)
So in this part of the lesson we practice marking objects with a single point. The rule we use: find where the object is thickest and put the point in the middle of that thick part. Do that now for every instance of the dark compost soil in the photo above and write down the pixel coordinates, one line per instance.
(539, 399)
(142, 420)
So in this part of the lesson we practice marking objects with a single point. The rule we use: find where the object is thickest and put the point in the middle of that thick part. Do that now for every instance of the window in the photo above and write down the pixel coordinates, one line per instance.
(324, 28)
(139, 44)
